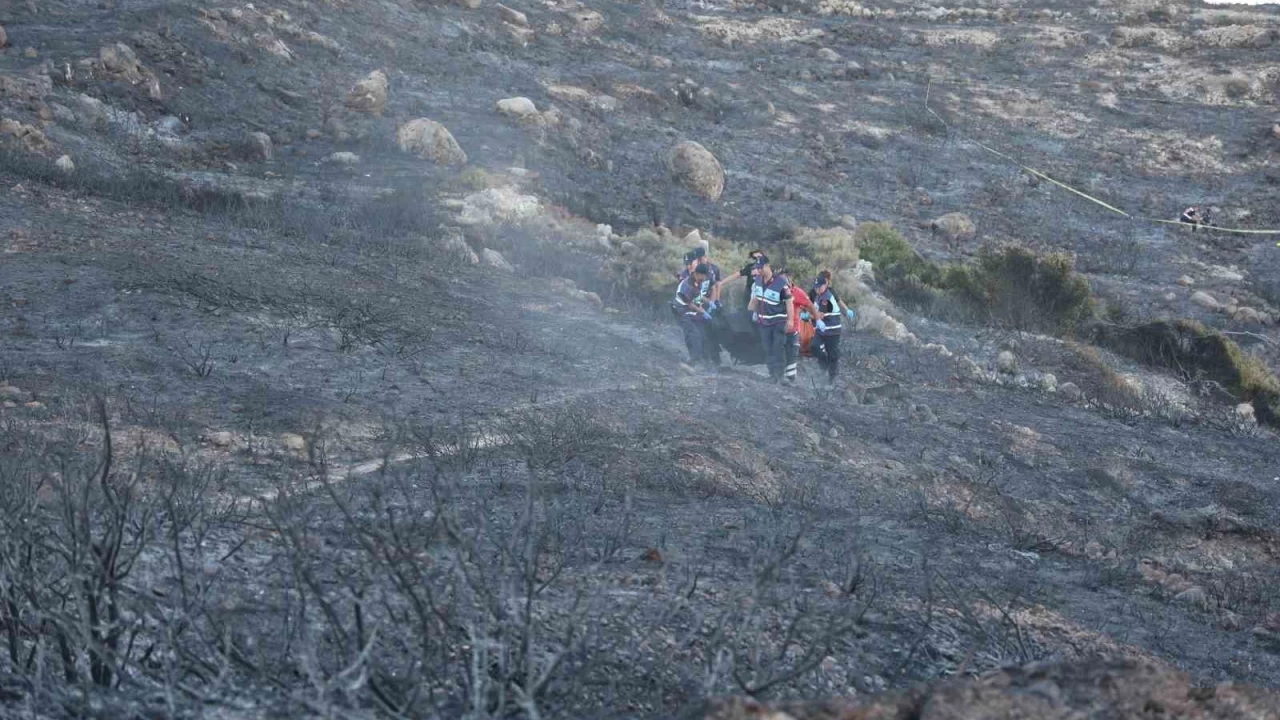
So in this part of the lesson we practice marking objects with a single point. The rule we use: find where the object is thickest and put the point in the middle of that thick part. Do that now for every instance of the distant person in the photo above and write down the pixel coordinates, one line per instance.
(772, 303)
(829, 324)
(1195, 217)
(690, 305)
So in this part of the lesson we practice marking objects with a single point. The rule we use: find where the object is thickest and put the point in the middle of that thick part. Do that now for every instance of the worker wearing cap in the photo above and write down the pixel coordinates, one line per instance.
(801, 307)
(690, 305)
(772, 303)
(828, 315)
(714, 276)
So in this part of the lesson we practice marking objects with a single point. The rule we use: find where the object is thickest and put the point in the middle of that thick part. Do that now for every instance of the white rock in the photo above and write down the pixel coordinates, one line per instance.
(1205, 300)
(430, 140)
(513, 16)
(586, 21)
(343, 158)
(221, 438)
(1194, 595)
(65, 165)
(1186, 281)
(497, 205)
(1006, 362)
(695, 240)
(1245, 412)
(1049, 382)
(258, 146)
(829, 55)
(293, 442)
(370, 94)
(518, 107)
(494, 259)
(940, 349)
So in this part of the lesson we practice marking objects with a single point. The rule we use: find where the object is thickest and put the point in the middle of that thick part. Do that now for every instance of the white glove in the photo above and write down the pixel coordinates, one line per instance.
(822, 327)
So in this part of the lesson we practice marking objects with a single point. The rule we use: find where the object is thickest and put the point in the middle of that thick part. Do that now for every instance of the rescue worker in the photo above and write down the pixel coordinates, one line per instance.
(749, 271)
(714, 276)
(802, 307)
(690, 305)
(690, 260)
(829, 315)
(772, 304)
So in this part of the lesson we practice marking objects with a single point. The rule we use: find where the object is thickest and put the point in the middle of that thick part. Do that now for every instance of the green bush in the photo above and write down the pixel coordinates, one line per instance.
(1030, 292)
(886, 249)
(1010, 286)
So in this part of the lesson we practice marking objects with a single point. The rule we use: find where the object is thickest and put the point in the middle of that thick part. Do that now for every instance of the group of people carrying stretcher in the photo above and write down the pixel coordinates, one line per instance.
(780, 322)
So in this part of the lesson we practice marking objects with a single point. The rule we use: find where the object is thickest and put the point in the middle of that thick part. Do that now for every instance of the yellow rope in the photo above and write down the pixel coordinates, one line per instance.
(1085, 195)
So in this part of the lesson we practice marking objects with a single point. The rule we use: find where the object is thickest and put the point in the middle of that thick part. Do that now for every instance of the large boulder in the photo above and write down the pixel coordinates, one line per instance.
(430, 140)
(370, 94)
(953, 228)
(694, 167)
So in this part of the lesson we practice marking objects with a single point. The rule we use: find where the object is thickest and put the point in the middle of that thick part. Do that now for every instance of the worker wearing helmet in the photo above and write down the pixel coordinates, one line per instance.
(829, 323)
(772, 303)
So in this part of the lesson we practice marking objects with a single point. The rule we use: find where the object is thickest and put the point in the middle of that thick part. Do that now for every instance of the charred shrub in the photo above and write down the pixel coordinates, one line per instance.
(1195, 352)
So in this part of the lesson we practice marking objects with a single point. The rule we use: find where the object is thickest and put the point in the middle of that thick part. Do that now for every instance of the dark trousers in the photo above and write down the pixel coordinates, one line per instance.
(710, 346)
(774, 339)
(695, 338)
(792, 356)
(826, 348)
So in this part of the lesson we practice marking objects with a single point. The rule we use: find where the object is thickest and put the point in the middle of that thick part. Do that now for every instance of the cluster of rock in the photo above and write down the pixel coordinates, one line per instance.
(250, 27)
(1230, 307)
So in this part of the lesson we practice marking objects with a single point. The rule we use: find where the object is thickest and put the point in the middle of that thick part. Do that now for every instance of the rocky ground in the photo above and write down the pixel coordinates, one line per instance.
(383, 441)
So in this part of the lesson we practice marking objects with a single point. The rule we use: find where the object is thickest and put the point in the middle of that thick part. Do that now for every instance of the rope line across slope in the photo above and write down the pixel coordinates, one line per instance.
(1081, 193)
